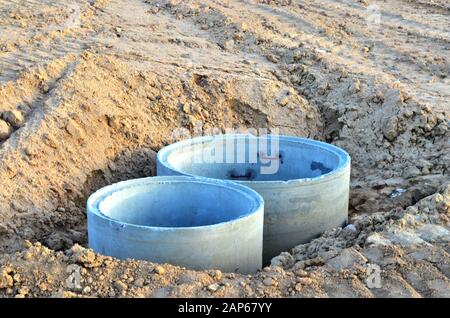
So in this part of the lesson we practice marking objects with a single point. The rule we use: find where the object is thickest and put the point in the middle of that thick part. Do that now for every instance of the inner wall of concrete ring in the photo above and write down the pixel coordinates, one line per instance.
(232, 245)
(296, 210)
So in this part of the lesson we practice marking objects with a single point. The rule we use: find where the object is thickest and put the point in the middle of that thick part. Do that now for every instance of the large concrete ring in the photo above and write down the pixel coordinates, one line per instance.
(193, 222)
(306, 196)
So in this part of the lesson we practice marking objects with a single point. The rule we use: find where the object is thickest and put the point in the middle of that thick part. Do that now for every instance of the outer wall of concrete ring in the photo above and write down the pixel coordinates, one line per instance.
(233, 245)
(296, 210)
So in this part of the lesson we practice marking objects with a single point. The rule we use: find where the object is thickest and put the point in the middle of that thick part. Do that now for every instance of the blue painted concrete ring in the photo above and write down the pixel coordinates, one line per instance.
(194, 222)
(305, 183)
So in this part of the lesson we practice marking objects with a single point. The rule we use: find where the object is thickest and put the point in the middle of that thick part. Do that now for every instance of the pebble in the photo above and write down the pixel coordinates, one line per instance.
(186, 108)
(6, 280)
(217, 275)
(304, 281)
(301, 273)
(268, 281)
(213, 287)
(244, 27)
(350, 228)
(3, 229)
(86, 290)
(139, 282)
(397, 192)
(74, 130)
(14, 118)
(272, 58)
(390, 129)
(160, 270)
(121, 286)
(355, 87)
(229, 45)
(283, 101)
(5, 130)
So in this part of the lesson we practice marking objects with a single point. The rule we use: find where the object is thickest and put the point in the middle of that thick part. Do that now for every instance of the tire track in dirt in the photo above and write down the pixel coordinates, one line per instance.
(40, 35)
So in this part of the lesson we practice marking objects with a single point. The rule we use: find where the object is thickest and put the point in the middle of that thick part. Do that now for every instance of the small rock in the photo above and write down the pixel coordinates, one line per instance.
(121, 286)
(186, 108)
(3, 229)
(346, 259)
(320, 50)
(355, 87)
(84, 256)
(411, 172)
(86, 290)
(160, 270)
(283, 260)
(228, 45)
(154, 10)
(268, 281)
(213, 287)
(301, 273)
(231, 276)
(272, 58)
(23, 292)
(390, 129)
(351, 228)
(441, 129)
(434, 233)
(6, 280)
(5, 130)
(283, 101)
(74, 130)
(243, 27)
(139, 282)
(14, 118)
(397, 192)
(305, 281)
(217, 275)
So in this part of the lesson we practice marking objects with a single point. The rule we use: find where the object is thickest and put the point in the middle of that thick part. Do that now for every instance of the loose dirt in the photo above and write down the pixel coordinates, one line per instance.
(90, 90)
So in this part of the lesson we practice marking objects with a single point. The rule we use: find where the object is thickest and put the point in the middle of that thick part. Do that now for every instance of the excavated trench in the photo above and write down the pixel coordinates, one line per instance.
(129, 164)
(135, 145)
(123, 141)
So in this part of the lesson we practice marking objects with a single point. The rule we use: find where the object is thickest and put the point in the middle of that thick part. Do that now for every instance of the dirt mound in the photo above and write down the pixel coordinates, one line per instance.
(90, 91)
(407, 249)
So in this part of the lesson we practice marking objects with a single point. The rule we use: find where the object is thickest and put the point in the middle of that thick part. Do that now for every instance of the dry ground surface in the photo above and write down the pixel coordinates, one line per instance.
(90, 90)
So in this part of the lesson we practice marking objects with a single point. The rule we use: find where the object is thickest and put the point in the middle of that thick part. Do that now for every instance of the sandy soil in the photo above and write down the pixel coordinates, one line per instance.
(89, 90)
